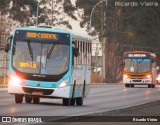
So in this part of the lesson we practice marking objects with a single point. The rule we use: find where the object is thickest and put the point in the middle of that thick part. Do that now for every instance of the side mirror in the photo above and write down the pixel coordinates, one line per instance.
(75, 52)
(122, 65)
(7, 47)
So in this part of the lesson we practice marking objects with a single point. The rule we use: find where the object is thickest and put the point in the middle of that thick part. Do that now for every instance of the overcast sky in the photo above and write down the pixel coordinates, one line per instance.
(75, 24)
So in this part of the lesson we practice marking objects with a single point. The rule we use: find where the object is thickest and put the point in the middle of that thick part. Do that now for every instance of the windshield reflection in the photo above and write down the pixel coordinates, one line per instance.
(137, 65)
(41, 58)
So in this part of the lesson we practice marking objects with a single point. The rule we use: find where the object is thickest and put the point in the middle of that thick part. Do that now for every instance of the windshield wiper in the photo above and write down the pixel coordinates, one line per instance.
(141, 61)
(30, 50)
(50, 51)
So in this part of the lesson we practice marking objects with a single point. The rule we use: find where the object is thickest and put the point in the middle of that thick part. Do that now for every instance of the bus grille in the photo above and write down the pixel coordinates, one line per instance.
(137, 80)
(30, 90)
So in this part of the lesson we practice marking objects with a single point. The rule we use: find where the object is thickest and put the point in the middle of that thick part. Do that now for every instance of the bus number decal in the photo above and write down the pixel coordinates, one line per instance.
(28, 65)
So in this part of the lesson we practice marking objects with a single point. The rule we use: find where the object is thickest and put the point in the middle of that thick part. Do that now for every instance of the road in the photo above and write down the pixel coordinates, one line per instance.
(101, 98)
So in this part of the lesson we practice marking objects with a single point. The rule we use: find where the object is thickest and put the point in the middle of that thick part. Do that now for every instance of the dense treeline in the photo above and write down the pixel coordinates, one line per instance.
(51, 12)
(122, 28)
(125, 28)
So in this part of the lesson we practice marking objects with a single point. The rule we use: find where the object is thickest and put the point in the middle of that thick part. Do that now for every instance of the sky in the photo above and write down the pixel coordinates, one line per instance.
(76, 27)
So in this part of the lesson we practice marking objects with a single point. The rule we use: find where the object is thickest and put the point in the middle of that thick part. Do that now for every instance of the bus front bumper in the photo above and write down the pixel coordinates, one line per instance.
(137, 81)
(37, 91)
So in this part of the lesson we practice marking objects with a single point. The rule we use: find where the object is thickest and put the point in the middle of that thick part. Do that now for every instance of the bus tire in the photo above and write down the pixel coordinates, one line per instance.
(66, 101)
(18, 98)
(36, 100)
(127, 85)
(153, 85)
(28, 99)
(150, 86)
(73, 101)
(79, 101)
(132, 85)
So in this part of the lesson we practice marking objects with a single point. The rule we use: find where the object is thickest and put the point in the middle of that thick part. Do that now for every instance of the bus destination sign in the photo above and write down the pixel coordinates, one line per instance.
(29, 35)
(143, 55)
(137, 55)
(41, 35)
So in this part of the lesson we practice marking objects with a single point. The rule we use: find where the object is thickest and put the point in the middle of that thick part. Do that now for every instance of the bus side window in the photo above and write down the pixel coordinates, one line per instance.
(90, 51)
(75, 50)
(73, 46)
(80, 52)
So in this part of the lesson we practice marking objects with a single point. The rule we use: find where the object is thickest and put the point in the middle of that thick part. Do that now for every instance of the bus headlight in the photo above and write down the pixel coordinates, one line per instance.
(64, 83)
(148, 76)
(14, 80)
(125, 76)
(158, 78)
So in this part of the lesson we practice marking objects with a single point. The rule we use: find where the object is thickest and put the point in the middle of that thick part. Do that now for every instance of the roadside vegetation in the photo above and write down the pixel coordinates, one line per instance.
(121, 28)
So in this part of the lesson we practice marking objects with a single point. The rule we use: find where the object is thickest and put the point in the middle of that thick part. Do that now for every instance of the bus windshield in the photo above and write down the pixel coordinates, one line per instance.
(137, 65)
(45, 58)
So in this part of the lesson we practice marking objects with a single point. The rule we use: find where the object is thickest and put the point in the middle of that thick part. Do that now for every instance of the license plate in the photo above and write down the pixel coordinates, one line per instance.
(37, 93)
(140, 85)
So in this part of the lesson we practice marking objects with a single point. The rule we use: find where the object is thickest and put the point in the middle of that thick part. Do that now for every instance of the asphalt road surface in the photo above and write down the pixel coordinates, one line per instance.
(101, 98)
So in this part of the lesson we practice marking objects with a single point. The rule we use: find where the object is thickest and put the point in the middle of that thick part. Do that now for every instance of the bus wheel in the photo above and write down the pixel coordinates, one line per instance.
(28, 99)
(132, 85)
(73, 101)
(18, 98)
(66, 101)
(36, 100)
(153, 85)
(150, 86)
(127, 85)
(79, 101)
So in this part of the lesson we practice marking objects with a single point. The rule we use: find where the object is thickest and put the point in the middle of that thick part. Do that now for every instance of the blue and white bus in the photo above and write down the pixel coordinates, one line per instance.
(49, 63)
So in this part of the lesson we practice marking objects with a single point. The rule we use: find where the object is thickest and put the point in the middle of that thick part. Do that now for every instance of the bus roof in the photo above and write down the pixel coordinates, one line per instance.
(34, 28)
(83, 37)
(137, 52)
(55, 29)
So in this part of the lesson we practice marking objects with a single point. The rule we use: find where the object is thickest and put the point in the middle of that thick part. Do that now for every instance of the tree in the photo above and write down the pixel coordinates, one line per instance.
(48, 14)
(56, 12)
(4, 5)
(17, 12)
(27, 8)
(125, 29)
